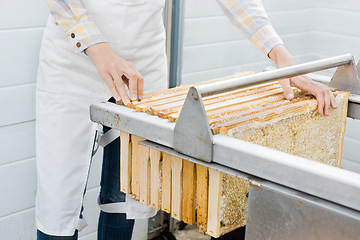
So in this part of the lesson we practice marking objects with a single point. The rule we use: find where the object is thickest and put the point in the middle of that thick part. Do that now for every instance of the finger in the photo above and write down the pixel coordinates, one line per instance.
(110, 82)
(331, 94)
(333, 99)
(288, 92)
(125, 80)
(132, 85)
(327, 101)
(140, 82)
(120, 87)
(320, 99)
(140, 86)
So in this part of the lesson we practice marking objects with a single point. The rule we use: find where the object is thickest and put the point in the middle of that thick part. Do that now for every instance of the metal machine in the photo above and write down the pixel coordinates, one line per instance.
(290, 197)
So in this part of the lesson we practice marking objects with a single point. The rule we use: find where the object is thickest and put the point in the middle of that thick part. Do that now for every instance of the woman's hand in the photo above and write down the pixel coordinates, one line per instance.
(323, 94)
(116, 72)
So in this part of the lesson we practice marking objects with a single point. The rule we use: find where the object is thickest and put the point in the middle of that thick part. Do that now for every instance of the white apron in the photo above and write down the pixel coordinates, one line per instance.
(68, 84)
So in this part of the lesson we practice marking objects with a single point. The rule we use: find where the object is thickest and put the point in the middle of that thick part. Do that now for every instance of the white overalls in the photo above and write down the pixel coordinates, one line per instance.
(68, 84)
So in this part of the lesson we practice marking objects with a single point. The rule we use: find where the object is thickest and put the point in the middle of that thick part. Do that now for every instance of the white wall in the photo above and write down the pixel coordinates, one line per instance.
(213, 47)
(20, 35)
(21, 26)
(337, 31)
(310, 29)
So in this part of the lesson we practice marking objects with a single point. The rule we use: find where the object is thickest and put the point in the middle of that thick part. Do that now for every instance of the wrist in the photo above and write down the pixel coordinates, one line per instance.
(281, 56)
(97, 51)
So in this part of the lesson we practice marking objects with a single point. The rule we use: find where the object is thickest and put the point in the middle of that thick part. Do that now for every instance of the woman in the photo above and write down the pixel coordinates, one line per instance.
(92, 51)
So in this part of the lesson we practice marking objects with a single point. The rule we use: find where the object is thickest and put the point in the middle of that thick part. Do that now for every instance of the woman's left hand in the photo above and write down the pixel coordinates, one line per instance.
(324, 96)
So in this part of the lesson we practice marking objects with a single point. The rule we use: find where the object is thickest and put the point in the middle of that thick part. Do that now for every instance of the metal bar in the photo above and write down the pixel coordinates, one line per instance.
(331, 183)
(139, 124)
(218, 87)
(192, 135)
(168, 23)
(177, 22)
(277, 212)
(354, 107)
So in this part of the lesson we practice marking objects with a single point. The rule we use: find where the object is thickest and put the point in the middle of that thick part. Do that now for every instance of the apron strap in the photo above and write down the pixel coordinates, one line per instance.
(81, 224)
(103, 140)
(108, 137)
(118, 207)
(132, 208)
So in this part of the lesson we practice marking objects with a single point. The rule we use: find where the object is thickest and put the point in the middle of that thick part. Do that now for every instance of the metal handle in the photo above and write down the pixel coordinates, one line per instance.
(287, 72)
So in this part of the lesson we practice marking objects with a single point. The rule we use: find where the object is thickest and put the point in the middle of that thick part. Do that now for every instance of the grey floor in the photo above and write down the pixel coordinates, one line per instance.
(189, 233)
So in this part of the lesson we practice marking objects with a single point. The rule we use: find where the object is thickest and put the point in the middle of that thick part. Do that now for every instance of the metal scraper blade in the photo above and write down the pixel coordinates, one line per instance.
(346, 78)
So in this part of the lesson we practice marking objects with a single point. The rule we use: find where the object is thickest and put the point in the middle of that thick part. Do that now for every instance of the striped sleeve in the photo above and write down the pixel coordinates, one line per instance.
(76, 22)
(250, 17)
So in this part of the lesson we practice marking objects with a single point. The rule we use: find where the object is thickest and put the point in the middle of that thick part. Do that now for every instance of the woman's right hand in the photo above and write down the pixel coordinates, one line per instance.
(116, 72)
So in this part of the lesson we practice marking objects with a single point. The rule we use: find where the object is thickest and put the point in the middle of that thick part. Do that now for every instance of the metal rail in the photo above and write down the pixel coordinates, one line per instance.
(282, 73)
(277, 212)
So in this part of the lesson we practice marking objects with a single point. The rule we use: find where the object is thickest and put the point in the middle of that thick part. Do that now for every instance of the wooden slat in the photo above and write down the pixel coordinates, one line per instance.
(342, 130)
(125, 162)
(176, 188)
(288, 109)
(189, 193)
(218, 104)
(163, 94)
(153, 97)
(175, 94)
(217, 121)
(166, 183)
(221, 100)
(170, 99)
(135, 164)
(214, 114)
(202, 190)
(144, 175)
(215, 190)
(155, 162)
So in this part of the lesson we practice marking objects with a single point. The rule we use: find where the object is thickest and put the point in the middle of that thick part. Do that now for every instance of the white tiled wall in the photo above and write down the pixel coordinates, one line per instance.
(21, 27)
(212, 47)
(338, 32)
(310, 29)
